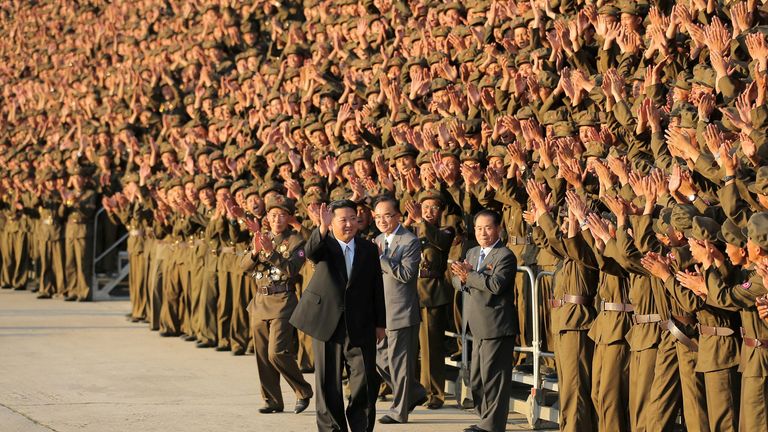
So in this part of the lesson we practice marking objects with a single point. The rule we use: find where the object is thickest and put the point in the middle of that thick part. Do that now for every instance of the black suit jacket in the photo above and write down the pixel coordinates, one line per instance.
(329, 294)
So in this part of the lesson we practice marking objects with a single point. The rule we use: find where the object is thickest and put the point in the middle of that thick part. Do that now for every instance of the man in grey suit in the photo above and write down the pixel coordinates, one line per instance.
(488, 278)
(397, 354)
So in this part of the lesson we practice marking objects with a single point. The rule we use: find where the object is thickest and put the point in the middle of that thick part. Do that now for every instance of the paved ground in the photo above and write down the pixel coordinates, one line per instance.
(83, 367)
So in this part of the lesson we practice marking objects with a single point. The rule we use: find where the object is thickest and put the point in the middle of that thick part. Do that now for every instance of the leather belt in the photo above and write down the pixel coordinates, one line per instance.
(616, 307)
(714, 331)
(646, 319)
(515, 240)
(274, 289)
(670, 326)
(752, 342)
(691, 321)
(228, 249)
(569, 298)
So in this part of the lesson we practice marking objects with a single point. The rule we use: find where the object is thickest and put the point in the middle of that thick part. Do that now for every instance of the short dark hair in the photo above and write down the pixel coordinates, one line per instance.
(490, 213)
(345, 203)
(386, 198)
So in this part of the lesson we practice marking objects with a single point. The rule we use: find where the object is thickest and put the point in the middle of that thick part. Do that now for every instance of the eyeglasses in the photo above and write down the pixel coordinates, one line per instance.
(430, 207)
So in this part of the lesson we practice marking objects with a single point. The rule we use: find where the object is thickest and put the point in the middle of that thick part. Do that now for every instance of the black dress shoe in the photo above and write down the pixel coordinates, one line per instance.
(474, 428)
(43, 296)
(270, 410)
(421, 401)
(307, 370)
(168, 334)
(136, 320)
(19, 288)
(434, 405)
(301, 405)
(223, 348)
(70, 298)
(388, 420)
(83, 299)
(238, 352)
(456, 356)
(208, 344)
(189, 338)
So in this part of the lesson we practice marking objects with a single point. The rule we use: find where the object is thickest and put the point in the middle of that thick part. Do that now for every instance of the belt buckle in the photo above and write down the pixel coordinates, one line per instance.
(264, 290)
(758, 343)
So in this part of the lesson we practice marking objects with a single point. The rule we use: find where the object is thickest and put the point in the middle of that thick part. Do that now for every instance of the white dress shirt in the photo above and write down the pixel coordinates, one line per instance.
(484, 253)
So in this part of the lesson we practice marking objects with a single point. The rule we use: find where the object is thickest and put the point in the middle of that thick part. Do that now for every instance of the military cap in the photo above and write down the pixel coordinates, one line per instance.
(424, 158)
(222, 184)
(281, 159)
(340, 193)
(563, 129)
(363, 153)
(439, 84)
(631, 8)
(663, 221)
(271, 186)
(216, 155)
(431, 194)
(313, 127)
(703, 229)
(689, 117)
(250, 190)
(553, 116)
(173, 183)
(525, 113)
(586, 118)
(498, 151)
(732, 234)
(594, 149)
(608, 9)
(471, 155)
(237, 185)
(683, 80)
(704, 75)
(404, 150)
(314, 180)
(760, 186)
(548, 79)
(130, 177)
(313, 198)
(757, 229)
(296, 49)
(682, 216)
(468, 55)
(202, 181)
(279, 201)
(187, 179)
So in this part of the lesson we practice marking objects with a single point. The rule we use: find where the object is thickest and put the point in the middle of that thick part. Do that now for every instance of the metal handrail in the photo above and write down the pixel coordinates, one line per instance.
(94, 280)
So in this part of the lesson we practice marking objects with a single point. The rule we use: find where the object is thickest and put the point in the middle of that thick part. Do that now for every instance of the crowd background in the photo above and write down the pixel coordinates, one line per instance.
(623, 143)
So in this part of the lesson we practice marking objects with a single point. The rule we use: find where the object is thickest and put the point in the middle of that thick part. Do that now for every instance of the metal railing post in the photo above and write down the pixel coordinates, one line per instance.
(94, 281)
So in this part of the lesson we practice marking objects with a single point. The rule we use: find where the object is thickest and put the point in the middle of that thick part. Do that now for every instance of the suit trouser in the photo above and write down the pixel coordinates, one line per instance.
(276, 356)
(228, 276)
(331, 358)
(754, 403)
(304, 355)
(434, 321)
(78, 266)
(491, 380)
(722, 389)
(170, 319)
(573, 357)
(241, 296)
(610, 386)
(207, 308)
(396, 361)
(51, 267)
(641, 414)
(136, 273)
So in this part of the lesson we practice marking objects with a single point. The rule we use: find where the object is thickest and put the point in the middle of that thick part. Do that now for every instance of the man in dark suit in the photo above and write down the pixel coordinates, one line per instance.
(397, 355)
(488, 277)
(343, 310)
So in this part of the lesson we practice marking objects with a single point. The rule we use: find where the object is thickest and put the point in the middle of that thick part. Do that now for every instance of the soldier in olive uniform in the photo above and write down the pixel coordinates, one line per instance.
(435, 292)
(51, 210)
(80, 203)
(275, 260)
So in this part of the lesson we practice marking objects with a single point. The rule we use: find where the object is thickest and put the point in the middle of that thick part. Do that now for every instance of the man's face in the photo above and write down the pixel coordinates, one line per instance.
(405, 163)
(207, 197)
(344, 224)
(486, 231)
(387, 217)
(496, 164)
(521, 37)
(363, 168)
(755, 252)
(431, 211)
(737, 255)
(278, 220)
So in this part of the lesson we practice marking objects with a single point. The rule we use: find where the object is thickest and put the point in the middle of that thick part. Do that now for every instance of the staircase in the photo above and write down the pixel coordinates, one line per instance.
(112, 286)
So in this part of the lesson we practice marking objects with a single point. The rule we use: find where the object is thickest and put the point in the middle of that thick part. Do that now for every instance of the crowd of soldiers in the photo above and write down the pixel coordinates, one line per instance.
(623, 143)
